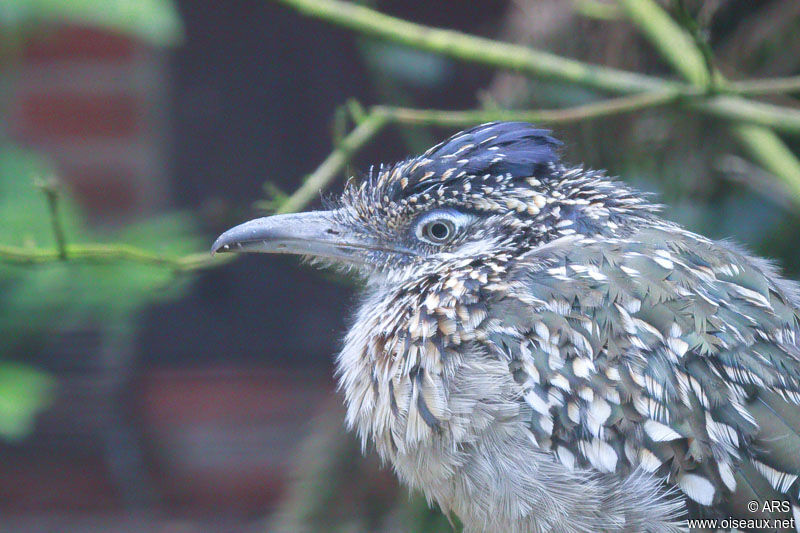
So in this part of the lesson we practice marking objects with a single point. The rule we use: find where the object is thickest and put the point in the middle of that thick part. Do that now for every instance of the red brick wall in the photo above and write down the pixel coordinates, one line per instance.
(94, 102)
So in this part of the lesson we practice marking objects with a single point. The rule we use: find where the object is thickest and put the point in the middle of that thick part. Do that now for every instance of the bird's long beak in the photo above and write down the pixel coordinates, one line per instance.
(313, 233)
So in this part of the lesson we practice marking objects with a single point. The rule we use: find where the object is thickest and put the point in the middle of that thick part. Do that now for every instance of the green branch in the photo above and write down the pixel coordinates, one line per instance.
(97, 253)
(757, 113)
(368, 128)
(604, 108)
(673, 43)
(114, 252)
(642, 92)
(372, 121)
(543, 65)
(785, 119)
(677, 47)
(766, 86)
(596, 9)
(648, 91)
(477, 49)
(772, 154)
(107, 253)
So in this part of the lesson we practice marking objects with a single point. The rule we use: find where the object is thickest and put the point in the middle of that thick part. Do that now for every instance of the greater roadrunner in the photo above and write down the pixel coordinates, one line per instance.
(536, 350)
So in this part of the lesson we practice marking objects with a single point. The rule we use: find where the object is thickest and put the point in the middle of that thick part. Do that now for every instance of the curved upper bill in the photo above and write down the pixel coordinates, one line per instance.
(312, 233)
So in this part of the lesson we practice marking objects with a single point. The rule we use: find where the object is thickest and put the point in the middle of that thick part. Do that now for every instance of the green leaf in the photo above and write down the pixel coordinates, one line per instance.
(24, 392)
(37, 300)
(155, 21)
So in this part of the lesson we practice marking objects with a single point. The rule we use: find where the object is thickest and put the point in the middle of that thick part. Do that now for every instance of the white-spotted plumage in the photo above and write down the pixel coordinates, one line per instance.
(565, 360)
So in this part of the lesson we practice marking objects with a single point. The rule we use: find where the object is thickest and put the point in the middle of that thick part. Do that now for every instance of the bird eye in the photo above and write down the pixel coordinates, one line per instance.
(441, 226)
(438, 231)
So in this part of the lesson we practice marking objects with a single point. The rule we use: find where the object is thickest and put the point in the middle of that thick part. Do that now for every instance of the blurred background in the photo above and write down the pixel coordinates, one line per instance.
(136, 397)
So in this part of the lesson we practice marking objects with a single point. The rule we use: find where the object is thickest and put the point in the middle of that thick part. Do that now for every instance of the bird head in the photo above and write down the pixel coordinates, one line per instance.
(495, 188)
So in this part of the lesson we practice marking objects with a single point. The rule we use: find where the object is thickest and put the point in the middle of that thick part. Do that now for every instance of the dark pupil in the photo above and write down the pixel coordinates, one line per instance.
(439, 231)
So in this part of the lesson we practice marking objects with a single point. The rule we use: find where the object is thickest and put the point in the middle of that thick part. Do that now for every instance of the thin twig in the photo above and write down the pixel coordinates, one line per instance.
(646, 92)
(604, 108)
(50, 189)
(671, 41)
(543, 65)
(327, 171)
(784, 119)
(96, 253)
(771, 153)
(478, 49)
(372, 121)
(766, 86)
(108, 253)
(596, 10)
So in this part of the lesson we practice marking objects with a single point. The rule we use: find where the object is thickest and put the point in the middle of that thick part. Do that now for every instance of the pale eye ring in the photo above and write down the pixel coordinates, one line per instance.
(441, 226)
(439, 230)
